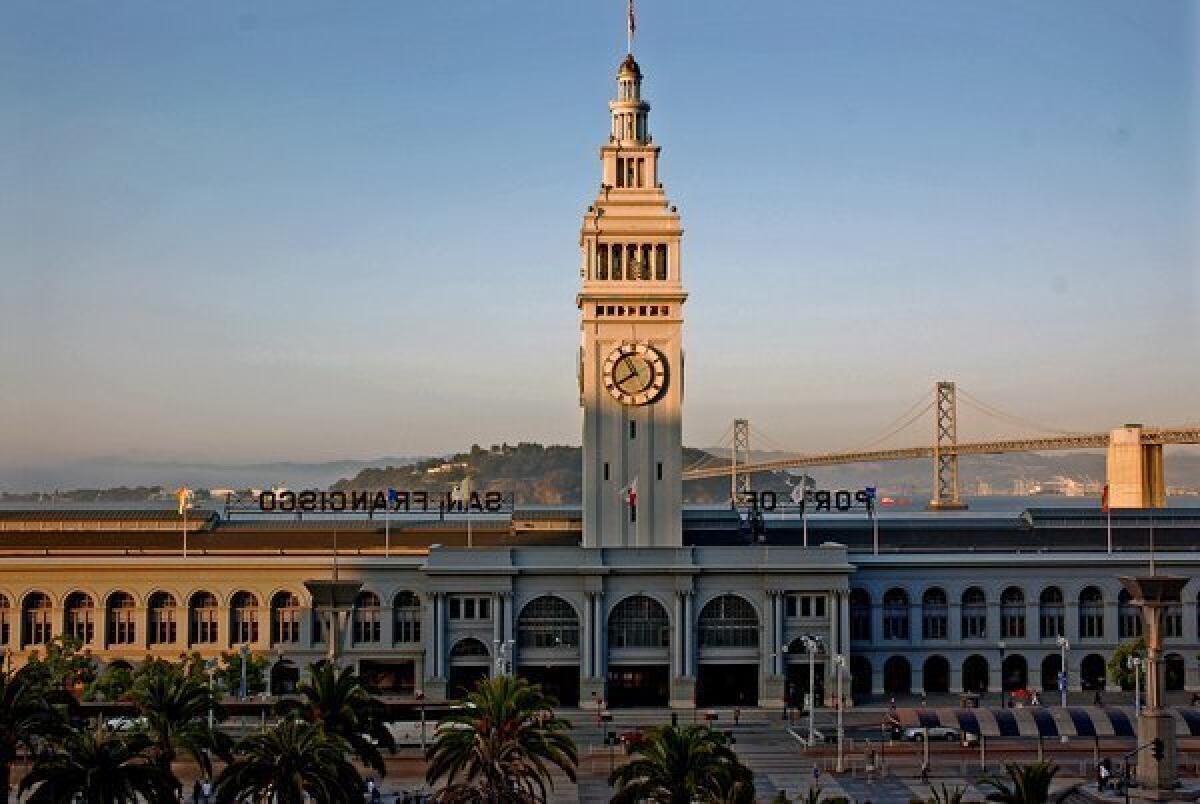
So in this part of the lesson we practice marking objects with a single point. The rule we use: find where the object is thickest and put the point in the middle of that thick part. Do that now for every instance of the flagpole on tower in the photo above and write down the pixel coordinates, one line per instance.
(629, 29)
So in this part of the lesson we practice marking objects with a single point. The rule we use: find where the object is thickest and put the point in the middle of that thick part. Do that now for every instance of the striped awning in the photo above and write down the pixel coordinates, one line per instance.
(1046, 721)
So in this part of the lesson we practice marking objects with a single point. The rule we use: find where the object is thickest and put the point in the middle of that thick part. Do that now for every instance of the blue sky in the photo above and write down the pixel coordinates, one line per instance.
(243, 231)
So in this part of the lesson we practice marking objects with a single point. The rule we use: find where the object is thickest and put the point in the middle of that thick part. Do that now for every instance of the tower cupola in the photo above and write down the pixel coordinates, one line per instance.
(629, 111)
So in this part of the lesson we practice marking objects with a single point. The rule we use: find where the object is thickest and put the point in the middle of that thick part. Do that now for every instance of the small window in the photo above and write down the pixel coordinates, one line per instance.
(642, 310)
(666, 310)
(633, 513)
(819, 606)
(599, 309)
(484, 608)
(469, 609)
(610, 309)
(660, 470)
(633, 429)
(606, 470)
(805, 606)
(455, 610)
(790, 604)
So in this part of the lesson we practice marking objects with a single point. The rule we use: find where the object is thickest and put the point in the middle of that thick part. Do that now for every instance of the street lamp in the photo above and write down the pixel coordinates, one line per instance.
(1064, 645)
(839, 667)
(1136, 663)
(1002, 645)
(244, 653)
(503, 650)
(811, 644)
(211, 666)
(421, 699)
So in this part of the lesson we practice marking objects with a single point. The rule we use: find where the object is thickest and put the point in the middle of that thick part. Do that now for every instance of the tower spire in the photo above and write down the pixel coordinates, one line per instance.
(631, 26)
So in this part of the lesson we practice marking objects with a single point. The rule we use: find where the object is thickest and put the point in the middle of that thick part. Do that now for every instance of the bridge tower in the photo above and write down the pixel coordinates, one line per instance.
(945, 456)
(740, 446)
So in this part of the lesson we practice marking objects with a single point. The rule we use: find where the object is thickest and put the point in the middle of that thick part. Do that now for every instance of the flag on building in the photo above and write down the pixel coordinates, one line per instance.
(632, 24)
(1104, 499)
(630, 493)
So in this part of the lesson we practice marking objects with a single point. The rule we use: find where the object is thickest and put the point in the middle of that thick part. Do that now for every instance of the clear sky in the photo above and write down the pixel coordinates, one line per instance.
(242, 231)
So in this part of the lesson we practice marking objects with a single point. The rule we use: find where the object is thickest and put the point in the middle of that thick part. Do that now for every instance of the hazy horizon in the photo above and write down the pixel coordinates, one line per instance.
(305, 232)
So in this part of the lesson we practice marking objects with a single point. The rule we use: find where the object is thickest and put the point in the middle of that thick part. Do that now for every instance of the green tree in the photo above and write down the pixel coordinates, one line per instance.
(1119, 671)
(26, 719)
(113, 684)
(1025, 784)
(335, 699)
(679, 765)
(105, 769)
(287, 761)
(176, 707)
(947, 795)
(62, 666)
(500, 746)
(229, 673)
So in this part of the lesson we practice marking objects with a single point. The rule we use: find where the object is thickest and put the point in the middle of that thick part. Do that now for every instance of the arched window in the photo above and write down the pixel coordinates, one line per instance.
(36, 619)
(122, 619)
(285, 618)
(548, 622)
(163, 628)
(1091, 672)
(934, 615)
(81, 617)
(1172, 622)
(406, 611)
(660, 262)
(936, 675)
(469, 648)
(1012, 613)
(1091, 613)
(1129, 619)
(203, 613)
(5, 622)
(974, 614)
(638, 622)
(897, 676)
(728, 621)
(367, 628)
(975, 674)
(243, 618)
(1052, 624)
(1051, 667)
(860, 615)
(895, 614)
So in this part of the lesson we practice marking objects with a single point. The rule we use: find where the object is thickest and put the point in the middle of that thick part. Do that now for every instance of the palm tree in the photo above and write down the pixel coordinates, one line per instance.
(501, 745)
(946, 794)
(1026, 784)
(26, 718)
(286, 762)
(680, 765)
(106, 769)
(337, 700)
(176, 706)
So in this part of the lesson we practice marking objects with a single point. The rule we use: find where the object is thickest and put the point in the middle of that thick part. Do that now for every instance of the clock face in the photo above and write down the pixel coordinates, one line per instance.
(635, 373)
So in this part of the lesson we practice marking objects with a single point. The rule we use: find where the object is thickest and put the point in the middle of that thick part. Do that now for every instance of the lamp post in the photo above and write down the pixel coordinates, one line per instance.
(1064, 645)
(421, 701)
(244, 654)
(1003, 646)
(503, 650)
(839, 667)
(811, 644)
(211, 666)
(1136, 663)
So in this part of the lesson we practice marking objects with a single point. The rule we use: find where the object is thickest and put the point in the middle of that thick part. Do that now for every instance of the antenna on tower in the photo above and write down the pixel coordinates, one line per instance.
(630, 28)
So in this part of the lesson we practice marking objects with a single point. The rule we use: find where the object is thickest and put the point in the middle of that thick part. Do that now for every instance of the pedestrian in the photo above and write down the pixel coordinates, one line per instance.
(196, 792)
(1097, 699)
(816, 774)
(737, 715)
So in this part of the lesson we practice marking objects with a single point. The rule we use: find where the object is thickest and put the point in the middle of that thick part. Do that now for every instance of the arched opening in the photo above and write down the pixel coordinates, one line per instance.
(243, 618)
(470, 662)
(897, 676)
(1014, 673)
(974, 614)
(285, 677)
(1091, 613)
(285, 619)
(1051, 667)
(1129, 619)
(639, 635)
(797, 667)
(1012, 613)
(548, 638)
(5, 620)
(36, 614)
(860, 677)
(975, 674)
(895, 614)
(367, 628)
(203, 618)
(1051, 623)
(1174, 672)
(161, 619)
(934, 614)
(1091, 672)
(727, 634)
(122, 619)
(406, 618)
(936, 674)
(80, 617)
(860, 615)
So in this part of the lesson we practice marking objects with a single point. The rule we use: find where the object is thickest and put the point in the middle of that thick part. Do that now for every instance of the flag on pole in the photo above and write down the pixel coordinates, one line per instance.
(632, 23)
(630, 493)
(1104, 499)
(184, 497)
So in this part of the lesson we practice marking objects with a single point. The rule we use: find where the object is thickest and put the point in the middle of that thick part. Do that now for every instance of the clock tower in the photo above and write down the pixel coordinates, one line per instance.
(631, 356)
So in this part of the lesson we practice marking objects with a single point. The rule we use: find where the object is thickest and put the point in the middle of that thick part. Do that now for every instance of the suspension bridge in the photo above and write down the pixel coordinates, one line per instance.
(1134, 452)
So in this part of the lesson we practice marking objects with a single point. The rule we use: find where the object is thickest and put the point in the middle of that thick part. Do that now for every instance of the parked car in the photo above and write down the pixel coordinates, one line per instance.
(914, 733)
(125, 723)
